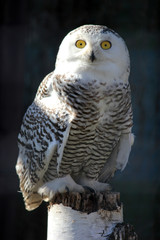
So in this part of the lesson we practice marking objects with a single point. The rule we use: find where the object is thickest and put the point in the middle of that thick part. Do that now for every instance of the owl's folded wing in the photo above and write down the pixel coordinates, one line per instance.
(43, 134)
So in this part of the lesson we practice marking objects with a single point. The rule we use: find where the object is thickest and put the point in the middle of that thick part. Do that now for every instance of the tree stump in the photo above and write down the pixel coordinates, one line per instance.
(75, 216)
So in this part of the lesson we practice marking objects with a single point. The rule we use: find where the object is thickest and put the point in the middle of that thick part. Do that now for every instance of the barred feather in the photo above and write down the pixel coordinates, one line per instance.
(76, 124)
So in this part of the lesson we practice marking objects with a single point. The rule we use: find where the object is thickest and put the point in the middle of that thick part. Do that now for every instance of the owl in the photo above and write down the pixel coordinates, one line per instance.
(78, 130)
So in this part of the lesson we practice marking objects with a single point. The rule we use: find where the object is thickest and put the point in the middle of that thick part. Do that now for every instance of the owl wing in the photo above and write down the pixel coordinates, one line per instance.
(118, 158)
(120, 154)
(43, 133)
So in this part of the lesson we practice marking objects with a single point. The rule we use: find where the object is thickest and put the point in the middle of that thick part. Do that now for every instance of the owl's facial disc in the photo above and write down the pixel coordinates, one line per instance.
(82, 44)
(94, 50)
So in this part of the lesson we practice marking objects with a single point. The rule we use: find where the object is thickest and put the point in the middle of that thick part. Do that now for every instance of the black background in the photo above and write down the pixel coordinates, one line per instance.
(30, 33)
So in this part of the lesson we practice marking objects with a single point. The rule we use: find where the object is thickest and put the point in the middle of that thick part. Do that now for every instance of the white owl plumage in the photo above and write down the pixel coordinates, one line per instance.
(77, 132)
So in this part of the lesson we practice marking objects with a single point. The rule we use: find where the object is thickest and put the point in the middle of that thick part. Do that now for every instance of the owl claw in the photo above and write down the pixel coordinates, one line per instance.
(94, 185)
(67, 189)
(89, 189)
(59, 185)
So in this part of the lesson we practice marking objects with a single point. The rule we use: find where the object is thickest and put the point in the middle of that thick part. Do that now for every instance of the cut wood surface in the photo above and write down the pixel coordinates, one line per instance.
(88, 216)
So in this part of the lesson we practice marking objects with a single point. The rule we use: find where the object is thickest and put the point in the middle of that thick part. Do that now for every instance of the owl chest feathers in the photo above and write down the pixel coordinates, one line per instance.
(98, 112)
(94, 101)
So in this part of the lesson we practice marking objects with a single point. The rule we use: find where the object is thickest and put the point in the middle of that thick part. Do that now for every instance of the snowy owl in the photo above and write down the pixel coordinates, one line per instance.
(77, 131)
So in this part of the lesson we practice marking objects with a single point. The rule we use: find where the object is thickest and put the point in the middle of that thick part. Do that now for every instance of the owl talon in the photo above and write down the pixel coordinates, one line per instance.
(59, 185)
(89, 189)
(67, 189)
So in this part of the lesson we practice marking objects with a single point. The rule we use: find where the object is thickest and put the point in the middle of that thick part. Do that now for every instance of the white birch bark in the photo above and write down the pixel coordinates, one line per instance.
(64, 223)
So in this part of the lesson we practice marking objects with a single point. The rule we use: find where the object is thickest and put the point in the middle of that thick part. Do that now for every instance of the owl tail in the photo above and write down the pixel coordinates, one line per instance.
(32, 200)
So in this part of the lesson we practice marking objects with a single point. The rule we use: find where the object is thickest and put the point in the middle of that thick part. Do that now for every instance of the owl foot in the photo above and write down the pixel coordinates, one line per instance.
(88, 189)
(94, 185)
(59, 185)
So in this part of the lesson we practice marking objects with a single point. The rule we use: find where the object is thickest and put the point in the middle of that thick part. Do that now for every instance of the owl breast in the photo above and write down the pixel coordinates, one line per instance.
(99, 121)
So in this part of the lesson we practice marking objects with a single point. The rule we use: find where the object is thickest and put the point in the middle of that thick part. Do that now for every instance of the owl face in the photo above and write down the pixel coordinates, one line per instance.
(94, 49)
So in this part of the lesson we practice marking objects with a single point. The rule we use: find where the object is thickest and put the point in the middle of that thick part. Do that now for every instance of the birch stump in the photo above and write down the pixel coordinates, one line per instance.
(75, 216)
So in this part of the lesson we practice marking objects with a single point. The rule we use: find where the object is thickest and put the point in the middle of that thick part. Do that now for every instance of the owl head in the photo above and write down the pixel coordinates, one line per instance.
(94, 50)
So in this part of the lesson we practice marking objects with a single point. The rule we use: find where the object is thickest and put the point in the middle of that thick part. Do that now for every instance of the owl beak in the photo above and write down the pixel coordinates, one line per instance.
(92, 56)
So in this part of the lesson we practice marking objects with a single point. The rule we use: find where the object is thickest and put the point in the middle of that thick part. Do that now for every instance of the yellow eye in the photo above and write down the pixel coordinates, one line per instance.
(106, 45)
(80, 44)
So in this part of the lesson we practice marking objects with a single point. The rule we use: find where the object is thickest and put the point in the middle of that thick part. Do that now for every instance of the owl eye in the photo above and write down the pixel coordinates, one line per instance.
(106, 45)
(80, 44)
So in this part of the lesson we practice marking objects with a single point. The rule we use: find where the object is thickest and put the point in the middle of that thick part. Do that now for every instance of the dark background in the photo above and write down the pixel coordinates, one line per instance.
(30, 33)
